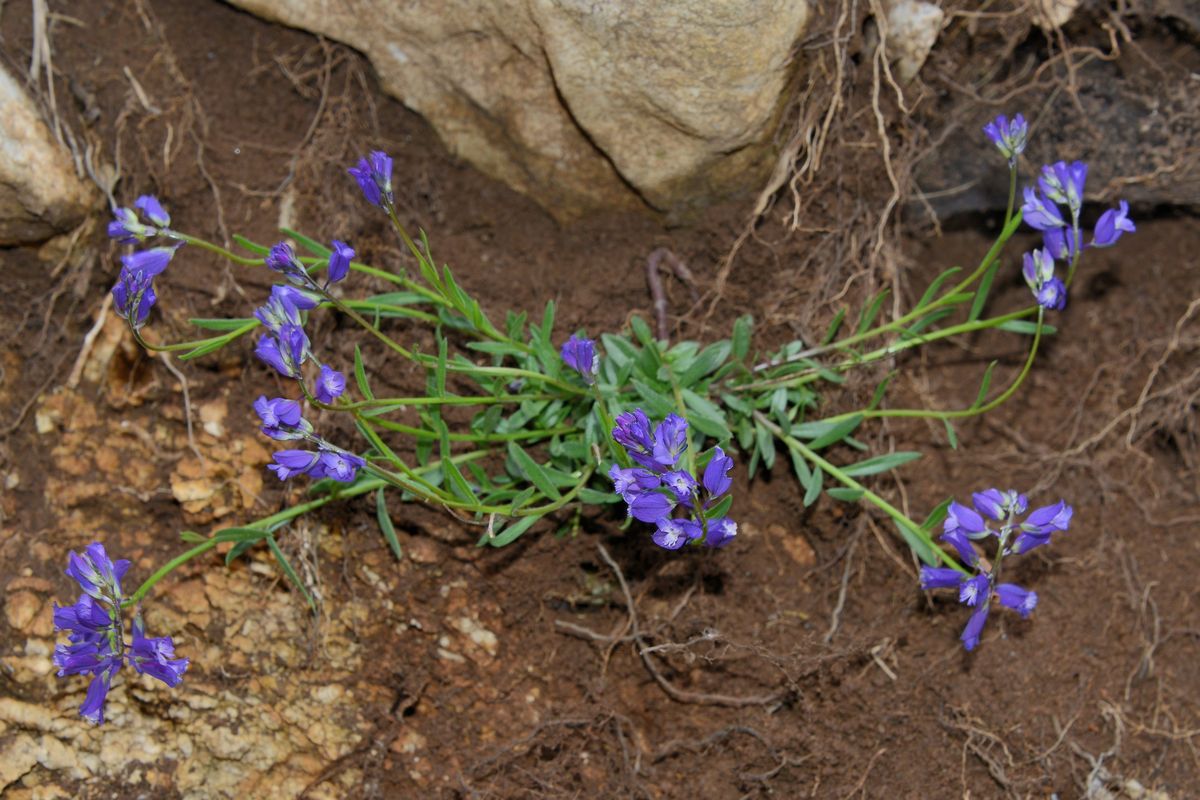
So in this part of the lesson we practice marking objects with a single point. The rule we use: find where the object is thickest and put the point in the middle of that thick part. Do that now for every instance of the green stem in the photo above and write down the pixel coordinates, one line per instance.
(480, 438)
(450, 400)
(883, 505)
(203, 244)
(165, 570)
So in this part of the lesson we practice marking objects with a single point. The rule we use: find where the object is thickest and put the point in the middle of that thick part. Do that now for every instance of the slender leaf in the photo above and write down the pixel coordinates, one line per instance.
(933, 287)
(291, 573)
(720, 509)
(870, 312)
(742, 328)
(1025, 327)
(764, 443)
(257, 249)
(360, 375)
(642, 332)
(312, 246)
(385, 524)
(510, 533)
(950, 434)
(873, 466)
(705, 415)
(813, 488)
(236, 551)
(832, 330)
(836, 432)
(917, 544)
(880, 391)
(984, 385)
(223, 324)
(981, 294)
(845, 494)
(533, 471)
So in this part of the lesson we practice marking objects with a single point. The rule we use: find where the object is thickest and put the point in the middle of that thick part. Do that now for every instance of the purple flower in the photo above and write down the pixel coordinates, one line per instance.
(289, 463)
(650, 506)
(1053, 295)
(1111, 225)
(1049, 291)
(86, 615)
(282, 259)
(1063, 183)
(155, 656)
(720, 532)
(283, 307)
(940, 578)
(1062, 243)
(285, 351)
(962, 519)
(633, 433)
(339, 260)
(281, 419)
(1039, 213)
(959, 541)
(682, 484)
(1008, 136)
(1016, 598)
(374, 176)
(133, 297)
(97, 574)
(670, 440)
(997, 504)
(975, 590)
(1040, 524)
(673, 534)
(126, 228)
(631, 482)
(580, 355)
(150, 207)
(330, 384)
(337, 464)
(149, 262)
(716, 474)
(93, 705)
(970, 634)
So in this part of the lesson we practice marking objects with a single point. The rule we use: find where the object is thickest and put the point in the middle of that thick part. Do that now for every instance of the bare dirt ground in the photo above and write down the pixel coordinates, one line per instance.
(803, 661)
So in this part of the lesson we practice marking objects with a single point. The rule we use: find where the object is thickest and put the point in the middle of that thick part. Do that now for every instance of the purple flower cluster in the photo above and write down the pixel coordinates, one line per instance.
(659, 486)
(133, 294)
(964, 526)
(286, 347)
(97, 642)
(374, 176)
(282, 420)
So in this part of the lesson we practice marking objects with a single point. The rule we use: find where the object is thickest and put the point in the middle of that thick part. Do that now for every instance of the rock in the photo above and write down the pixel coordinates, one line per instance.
(584, 105)
(795, 544)
(39, 192)
(912, 28)
(20, 608)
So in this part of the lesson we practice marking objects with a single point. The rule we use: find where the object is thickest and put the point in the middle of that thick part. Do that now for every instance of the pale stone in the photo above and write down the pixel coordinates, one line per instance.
(39, 192)
(579, 104)
(20, 608)
(912, 29)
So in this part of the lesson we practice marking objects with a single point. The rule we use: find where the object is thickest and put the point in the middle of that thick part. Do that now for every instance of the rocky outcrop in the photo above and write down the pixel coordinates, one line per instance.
(40, 196)
(579, 104)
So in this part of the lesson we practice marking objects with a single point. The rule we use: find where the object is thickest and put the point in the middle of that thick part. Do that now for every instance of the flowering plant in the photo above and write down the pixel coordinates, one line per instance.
(552, 421)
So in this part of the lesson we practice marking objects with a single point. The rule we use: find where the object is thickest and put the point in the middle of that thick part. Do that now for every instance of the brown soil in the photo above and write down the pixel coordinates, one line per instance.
(800, 662)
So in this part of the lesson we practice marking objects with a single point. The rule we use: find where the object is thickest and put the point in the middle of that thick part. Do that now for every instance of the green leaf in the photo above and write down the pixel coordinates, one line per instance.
(832, 330)
(870, 312)
(312, 246)
(845, 494)
(511, 533)
(880, 391)
(708, 360)
(287, 569)
(496, 348)
(764, 443)
(984, 385)
(641, 332)
(191, 537)
(803, 473)
(924, 322)
(705, 415)
(238, 549)
(1025, 327)
(533, 471)
(597, 498)
(742, 328)
(873, 466)
(720, 509)
(656, 402)
(917, 544)
(816, 480)
(937, 515)
(257, 249)
(981, 294)
(240, 534)
(950, 434)
(360, 375)
(619, 349)
(222, 324)
(385, 524)
(835, 433)
(933, 287)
